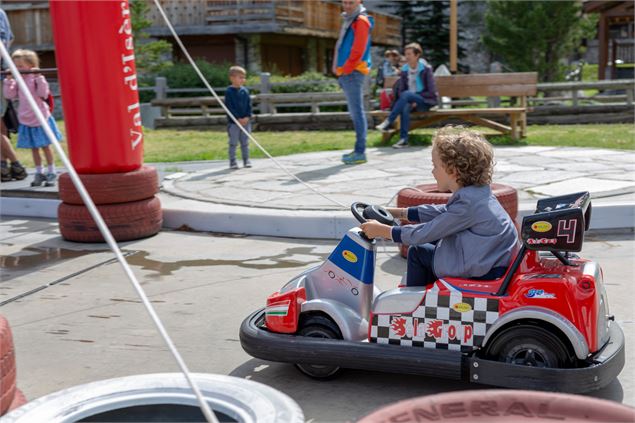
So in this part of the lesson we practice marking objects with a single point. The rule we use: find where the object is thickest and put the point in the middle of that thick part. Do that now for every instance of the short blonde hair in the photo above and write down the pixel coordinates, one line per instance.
(466, 154)
(28, 56)
(237, 70)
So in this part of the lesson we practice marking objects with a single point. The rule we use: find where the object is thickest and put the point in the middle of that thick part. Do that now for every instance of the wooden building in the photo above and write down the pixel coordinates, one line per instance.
(615, 34)
(286, 36)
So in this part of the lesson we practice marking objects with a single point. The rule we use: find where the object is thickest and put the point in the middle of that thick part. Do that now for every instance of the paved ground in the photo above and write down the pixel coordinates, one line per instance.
(535, 171)
(91, 326)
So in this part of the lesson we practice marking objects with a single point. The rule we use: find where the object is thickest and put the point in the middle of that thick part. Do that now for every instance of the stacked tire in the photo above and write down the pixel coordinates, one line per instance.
(126, 201)
(10, 396)
(429, 194)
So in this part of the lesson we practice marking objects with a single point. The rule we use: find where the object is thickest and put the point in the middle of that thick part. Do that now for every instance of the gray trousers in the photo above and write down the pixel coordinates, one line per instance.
(236, 136)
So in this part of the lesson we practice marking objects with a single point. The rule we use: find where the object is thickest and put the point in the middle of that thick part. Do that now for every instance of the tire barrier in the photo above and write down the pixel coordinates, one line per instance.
(162, 397)
(428, 194)
(10, 396)
(126, 221)
(112, 188)
(503, 405)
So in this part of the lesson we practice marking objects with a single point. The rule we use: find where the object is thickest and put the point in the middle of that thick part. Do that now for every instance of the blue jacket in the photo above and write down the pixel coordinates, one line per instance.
(426, 87)
(475, 233)
(238, 102)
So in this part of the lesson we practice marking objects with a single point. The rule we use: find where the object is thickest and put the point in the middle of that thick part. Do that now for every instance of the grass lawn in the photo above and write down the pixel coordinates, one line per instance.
(188, 145)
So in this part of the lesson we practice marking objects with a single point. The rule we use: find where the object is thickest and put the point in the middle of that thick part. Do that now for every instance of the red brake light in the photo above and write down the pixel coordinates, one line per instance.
(586, 283)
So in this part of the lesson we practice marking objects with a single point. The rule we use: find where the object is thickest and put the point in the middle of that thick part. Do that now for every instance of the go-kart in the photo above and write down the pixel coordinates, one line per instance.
(544, 325)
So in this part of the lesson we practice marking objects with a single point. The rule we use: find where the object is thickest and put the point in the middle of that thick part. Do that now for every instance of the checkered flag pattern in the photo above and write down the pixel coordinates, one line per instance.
(445, 320)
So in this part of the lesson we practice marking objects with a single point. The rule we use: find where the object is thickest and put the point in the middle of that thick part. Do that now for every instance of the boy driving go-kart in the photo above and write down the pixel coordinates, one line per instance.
(478, 305)
(470, 237)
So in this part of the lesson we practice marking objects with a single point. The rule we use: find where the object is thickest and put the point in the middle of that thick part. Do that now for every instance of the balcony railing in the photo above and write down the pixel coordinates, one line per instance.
(301, 17)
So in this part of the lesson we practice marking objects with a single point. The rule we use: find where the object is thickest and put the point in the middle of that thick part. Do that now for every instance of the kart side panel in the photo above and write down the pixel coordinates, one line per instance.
(271, 346)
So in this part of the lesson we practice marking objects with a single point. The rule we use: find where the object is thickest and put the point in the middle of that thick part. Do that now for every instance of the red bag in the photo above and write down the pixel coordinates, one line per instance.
(50, 101)
(385, 100)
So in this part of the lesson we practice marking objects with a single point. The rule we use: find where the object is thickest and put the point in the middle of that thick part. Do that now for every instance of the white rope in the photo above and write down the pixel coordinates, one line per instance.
(233, 118)
(105, 232)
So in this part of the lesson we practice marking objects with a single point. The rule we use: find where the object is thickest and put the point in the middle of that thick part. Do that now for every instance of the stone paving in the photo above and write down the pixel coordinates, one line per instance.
(535, 171)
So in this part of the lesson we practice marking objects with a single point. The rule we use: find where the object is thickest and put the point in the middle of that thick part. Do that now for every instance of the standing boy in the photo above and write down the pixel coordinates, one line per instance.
(238, 102)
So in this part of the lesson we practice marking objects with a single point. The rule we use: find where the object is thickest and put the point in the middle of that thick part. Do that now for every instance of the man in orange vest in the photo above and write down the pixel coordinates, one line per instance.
(351, 63)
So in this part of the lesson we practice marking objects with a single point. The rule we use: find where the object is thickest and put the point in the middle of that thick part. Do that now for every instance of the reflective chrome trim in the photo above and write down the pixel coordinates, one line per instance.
(539, 313)
(351, 324)
(399, 300)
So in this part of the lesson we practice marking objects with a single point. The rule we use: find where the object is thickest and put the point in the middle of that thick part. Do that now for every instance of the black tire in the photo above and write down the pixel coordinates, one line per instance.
(317, 326)
(528, 345)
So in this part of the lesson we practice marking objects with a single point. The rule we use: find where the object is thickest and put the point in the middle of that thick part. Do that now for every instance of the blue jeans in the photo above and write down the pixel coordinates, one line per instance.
(353, 86)
(237, 136)
(403, 107)
(420, 270)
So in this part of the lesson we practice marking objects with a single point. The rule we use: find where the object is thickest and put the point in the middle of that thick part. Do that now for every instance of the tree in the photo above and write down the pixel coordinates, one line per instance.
(426, 23)
(149, 55)
(536, 35)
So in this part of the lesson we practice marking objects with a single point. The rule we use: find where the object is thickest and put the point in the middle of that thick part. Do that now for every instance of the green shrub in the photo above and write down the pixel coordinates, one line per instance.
(182, 75)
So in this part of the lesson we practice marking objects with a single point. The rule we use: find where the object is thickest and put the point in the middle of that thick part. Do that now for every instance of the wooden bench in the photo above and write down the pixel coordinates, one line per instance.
(517, 85)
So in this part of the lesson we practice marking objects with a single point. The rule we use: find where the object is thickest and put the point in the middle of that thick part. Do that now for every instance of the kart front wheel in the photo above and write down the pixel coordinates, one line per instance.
(318, 327)
(527, 345)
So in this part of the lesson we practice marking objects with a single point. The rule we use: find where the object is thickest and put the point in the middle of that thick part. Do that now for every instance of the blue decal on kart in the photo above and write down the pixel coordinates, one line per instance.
(539, 293)
(354, 259)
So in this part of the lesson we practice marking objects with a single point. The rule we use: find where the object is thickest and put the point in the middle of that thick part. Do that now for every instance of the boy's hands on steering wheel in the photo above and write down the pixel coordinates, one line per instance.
(373, 229)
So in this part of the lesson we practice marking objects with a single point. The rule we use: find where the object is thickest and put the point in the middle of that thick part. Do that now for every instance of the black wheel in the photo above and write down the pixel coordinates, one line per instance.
(318, 327)
(529, 346)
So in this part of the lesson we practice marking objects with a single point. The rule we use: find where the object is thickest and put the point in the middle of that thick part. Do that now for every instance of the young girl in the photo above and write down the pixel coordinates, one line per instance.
(30, 133)
(470, 237)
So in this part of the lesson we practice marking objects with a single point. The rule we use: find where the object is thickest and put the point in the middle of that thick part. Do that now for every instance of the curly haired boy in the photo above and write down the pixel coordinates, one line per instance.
(471, 236)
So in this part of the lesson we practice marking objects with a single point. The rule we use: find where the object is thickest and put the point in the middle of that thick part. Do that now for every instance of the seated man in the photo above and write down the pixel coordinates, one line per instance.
(414, 90)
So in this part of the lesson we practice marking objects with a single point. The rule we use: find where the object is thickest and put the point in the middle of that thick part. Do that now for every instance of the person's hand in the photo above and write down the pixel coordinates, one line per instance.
(374, 229)
(414, 106)
(244, 121)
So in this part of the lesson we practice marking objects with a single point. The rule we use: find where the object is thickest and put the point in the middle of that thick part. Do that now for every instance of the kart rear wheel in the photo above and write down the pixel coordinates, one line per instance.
(318, 327)
(533, 346)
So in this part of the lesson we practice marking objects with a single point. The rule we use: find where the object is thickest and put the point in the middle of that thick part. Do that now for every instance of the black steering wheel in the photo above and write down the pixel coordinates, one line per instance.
(377, 213)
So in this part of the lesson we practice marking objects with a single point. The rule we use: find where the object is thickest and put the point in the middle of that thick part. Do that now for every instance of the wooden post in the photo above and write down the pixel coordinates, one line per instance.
(265, 88)
(453, 36)
(603, 46)
(160, 88)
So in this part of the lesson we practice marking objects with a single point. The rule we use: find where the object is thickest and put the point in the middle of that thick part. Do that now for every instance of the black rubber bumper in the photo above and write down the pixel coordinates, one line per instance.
(602, 370)
(446, 364)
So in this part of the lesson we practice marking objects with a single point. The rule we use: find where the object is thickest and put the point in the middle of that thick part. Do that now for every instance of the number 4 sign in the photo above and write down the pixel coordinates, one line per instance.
(566, 228)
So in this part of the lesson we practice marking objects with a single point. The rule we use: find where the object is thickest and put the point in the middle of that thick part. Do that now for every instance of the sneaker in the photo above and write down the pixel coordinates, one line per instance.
(247, 163)
(384, 126)
(233, 165)
(347, 155)
(355, 158)
(38, 180)
(18, 172)
(402, 143)
(5, 176)
(50, 180)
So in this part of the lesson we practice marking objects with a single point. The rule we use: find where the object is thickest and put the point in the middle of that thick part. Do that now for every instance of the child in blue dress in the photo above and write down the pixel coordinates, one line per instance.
(30, 133)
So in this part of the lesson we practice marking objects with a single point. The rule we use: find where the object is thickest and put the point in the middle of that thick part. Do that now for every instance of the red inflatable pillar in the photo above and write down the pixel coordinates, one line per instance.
(94, 50)
(96, 68)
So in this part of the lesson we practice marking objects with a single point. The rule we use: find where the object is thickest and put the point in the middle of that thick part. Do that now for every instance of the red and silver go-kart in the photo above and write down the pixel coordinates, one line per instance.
(544, 325)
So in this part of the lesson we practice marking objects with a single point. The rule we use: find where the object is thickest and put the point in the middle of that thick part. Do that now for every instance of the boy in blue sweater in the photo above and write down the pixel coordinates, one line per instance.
(238, 102)
(471, 236)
